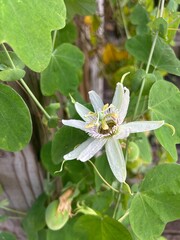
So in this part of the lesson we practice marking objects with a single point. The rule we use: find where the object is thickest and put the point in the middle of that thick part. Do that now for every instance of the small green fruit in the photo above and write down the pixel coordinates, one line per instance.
(54, 219)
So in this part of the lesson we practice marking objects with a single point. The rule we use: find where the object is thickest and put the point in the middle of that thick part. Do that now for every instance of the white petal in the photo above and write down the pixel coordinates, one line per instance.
(116, 159)
(75, 123)
(124, 106)
(96, 101)
(142, 126)
(118, 96)
(92, 149)
(82, 110)
(77, 151)
(123, 133)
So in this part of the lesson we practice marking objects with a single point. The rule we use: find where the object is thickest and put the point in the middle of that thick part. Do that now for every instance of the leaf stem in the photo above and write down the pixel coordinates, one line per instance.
(13, 211)
(54, 39)
(118, 202)
(123, 19)
(149, 61)
(124, 216)
(26, 86)
(95, 168)
(35, 99)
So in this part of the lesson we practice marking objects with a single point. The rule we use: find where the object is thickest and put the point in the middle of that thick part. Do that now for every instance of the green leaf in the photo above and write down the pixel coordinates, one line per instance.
(5, 60)
(157, 202)
(29, 28)
(99, 201)
(143, 104)
(66, 35)
(65, 140)
(139, 17)
(8, 73)
(12, 74)
(159, 24)
(163, 57)
(100, 228)
(144, 147)
(7, 236)
(35, 218)
(85, 7)
(47, 159)
(63, 71)
(15, 120)
(173, 5)
(66, 233)
(164, 104)
(103, 167)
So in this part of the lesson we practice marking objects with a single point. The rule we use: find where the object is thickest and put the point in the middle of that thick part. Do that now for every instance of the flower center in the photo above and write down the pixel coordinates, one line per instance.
(103, 123)
(107, 128)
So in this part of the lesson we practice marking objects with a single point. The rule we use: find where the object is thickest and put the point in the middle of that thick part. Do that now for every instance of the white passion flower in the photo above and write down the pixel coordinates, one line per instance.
(105, 127)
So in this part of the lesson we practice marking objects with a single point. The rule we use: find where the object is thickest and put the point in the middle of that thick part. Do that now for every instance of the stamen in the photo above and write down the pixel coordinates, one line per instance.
(90, 114)
(90, 125)
(104, 125)
(105, 107)
(114, 115)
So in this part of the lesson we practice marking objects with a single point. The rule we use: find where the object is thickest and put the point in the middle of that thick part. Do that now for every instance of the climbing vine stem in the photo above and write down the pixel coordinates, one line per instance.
(26, 86)
(160, 14)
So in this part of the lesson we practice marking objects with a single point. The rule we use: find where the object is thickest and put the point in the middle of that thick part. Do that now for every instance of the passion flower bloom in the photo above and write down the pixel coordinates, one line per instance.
(106, 126)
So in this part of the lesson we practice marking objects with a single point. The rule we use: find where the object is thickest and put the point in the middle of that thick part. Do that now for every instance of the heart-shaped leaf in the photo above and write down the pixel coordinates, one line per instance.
(163, 57)
(101, 228)
(85, 7)
(29, 28)
(157, 202)
(164, 104)
(15, 120)
(63, 70)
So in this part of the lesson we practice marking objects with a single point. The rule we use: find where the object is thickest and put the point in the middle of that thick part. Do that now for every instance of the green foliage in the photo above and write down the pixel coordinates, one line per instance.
(15, 120)
(12, 74)
(63, 71)
(164, 103)
(65, 233)
(161, 26)
(7, 73)
(140, 18)
(157, 201)
(35, 218)
(32, 22)
(103, 167)
(64, 141)
(99, 227)
(46, 159)
(144, 147)
(7, 236)
(163, 57)
(43, 38)
(66, 35)
(86, 7)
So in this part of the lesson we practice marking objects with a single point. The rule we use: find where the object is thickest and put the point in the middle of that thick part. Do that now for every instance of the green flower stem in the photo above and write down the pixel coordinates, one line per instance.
(123, 19)
(117, 202)
(35, 99)
(26, 86)
(13, 211)
(149, 61)
(95, 168)
(124, 216)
